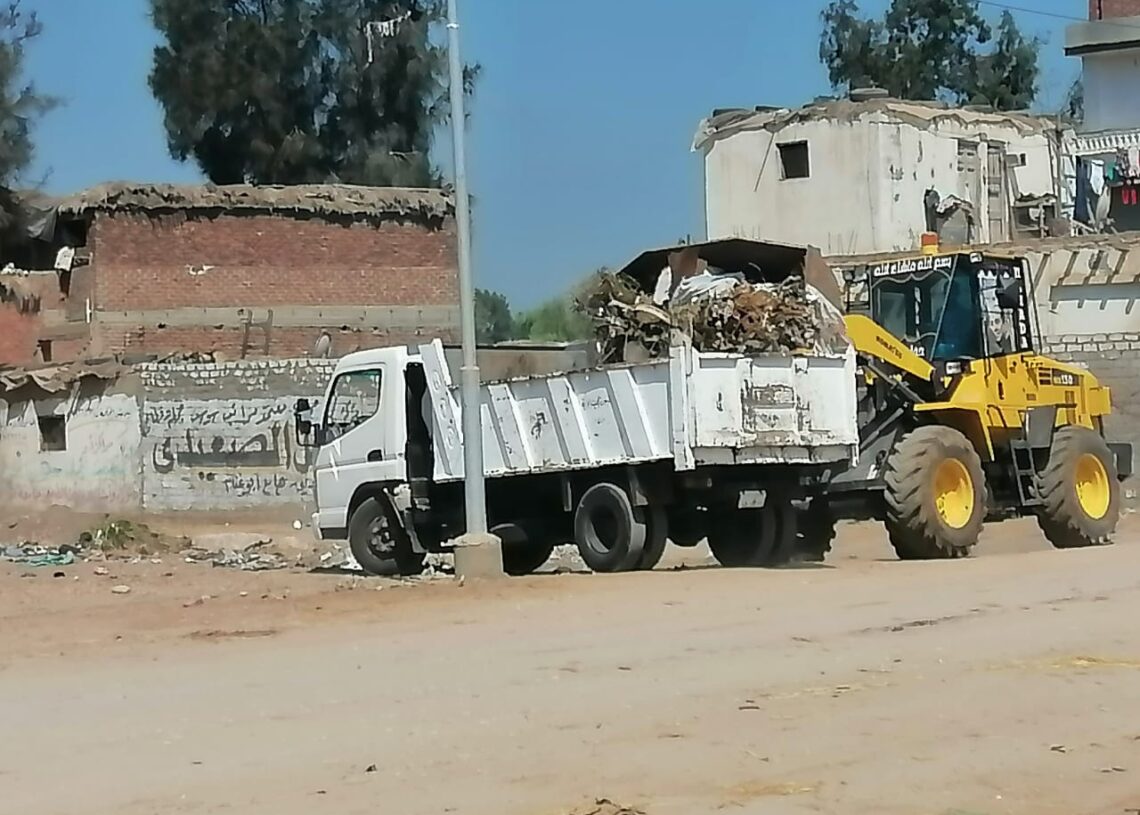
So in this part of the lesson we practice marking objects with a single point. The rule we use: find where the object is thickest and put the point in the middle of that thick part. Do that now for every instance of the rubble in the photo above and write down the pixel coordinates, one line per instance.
(715, 312)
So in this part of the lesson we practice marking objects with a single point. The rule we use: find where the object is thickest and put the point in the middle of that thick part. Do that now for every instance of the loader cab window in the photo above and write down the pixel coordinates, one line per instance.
(936, 313)
(355, 399)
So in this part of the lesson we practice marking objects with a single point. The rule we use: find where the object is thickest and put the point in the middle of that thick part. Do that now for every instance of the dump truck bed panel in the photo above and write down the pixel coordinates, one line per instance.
(690, 409)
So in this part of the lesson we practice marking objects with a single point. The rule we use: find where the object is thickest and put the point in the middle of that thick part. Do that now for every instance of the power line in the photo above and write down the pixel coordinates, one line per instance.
(1054, 14)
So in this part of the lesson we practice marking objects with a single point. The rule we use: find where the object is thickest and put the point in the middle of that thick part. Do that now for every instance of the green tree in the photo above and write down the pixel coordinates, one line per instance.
(560, 319)
(283, 92)
(493, 319)
(930, 49)
(20, 104)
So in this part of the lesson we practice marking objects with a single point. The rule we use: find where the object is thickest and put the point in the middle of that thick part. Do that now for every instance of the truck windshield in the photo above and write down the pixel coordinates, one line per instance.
(355, 399)
(937, 313)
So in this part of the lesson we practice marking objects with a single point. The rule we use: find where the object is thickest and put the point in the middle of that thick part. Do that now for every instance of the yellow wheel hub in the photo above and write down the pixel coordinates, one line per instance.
(1093, 491)
(954, 493)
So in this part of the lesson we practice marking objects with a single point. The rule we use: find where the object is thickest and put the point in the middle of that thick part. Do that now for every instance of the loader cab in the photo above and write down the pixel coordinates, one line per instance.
(954, 307)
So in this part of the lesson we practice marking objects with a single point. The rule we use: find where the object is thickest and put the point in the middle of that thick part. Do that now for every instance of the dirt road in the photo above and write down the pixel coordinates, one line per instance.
(1009, 683)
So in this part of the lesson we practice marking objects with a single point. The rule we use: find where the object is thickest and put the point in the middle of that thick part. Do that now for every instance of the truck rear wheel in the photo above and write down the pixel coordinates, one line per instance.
(1080, 489)
(815, 531)
(524, 552)
(687, 527)
(656, 538)
(379, 544)
(753, 537)
(935, 495)
(609, 530)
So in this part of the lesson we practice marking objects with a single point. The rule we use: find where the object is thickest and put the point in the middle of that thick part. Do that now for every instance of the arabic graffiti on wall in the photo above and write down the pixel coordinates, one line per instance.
(222, 454)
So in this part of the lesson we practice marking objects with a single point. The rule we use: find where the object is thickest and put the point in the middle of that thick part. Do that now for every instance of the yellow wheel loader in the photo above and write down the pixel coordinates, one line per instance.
(962, 420)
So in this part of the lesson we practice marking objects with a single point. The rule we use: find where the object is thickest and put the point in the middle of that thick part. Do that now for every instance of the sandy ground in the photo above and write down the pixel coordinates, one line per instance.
(1008, 683)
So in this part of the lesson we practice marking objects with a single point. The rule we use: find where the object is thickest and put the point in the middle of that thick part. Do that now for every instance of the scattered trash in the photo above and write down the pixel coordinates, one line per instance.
(121, 590)
(1113, 769)
(102, 570)
(249, 559)
(371, 768)
(298, 525)
(1059, 748)
(31, 554)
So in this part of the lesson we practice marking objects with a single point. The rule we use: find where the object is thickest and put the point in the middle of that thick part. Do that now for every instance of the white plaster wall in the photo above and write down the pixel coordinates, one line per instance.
(226, 453)
(867, 182)
(99, 470)
(1112, 90)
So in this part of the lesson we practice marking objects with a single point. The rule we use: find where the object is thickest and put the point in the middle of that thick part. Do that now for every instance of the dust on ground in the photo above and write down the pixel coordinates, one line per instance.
(1007, 683)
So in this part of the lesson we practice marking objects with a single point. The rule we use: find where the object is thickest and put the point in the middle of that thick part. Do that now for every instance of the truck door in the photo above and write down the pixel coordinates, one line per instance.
(357, 445)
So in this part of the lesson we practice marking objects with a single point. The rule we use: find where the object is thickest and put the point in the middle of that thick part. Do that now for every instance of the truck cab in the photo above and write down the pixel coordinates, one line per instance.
(360, 429)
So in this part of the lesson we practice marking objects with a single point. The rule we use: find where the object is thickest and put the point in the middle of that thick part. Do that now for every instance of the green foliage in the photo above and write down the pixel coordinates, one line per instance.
(930, 49)
(20, 104)
(282, 91)
(556, 320)
(493, 319)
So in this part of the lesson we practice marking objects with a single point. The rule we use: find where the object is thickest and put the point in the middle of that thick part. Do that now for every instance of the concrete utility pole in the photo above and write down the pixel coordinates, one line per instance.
(477, 553)
(475, 497)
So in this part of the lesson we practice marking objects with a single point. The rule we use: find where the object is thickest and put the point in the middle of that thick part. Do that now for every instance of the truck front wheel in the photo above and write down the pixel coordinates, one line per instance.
(379, 544)
(609, 530)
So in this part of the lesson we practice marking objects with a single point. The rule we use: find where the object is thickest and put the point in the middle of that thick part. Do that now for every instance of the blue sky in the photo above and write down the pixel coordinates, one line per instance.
(581, 124)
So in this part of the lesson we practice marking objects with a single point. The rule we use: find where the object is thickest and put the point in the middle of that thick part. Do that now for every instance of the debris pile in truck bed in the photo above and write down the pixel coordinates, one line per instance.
(716, 313)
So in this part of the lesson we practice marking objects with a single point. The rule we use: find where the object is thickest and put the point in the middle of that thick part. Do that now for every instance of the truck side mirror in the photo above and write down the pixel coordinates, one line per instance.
(303, 419)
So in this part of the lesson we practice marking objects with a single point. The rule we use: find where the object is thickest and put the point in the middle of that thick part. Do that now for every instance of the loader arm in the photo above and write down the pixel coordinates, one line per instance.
(872, 340)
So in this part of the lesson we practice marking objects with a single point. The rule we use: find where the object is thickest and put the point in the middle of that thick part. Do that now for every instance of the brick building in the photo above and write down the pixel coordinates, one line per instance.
(239, 271)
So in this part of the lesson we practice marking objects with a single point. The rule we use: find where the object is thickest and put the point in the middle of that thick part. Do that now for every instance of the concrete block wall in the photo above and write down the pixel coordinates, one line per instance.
(97, 471)
(221, 436)
(191, 281)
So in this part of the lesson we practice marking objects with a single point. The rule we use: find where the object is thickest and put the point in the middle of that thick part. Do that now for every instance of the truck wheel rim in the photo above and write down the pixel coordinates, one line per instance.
(954, 493)
(1093, 492)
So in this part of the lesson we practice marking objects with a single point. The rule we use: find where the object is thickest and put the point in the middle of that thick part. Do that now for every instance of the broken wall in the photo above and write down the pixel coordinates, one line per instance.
(78, 448)
(220, 437)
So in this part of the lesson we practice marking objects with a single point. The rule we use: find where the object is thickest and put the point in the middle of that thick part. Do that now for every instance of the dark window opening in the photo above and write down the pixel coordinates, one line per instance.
(794, 160)
(45, 350)
(53, 433)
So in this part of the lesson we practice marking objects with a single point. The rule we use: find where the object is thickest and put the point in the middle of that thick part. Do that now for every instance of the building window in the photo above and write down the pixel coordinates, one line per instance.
(794, 162)
(53, 433)
(44, 347)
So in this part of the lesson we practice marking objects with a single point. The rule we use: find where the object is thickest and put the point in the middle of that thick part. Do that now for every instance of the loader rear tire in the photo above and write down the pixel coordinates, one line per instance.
(1080, 489)
(935, 495)
(609, 530)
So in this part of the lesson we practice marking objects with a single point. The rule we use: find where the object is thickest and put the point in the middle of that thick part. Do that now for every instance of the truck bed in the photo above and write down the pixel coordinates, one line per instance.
(692, 409)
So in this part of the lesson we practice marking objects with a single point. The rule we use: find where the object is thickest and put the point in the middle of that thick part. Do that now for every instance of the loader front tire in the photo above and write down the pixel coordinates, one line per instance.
(935, 495)
(1080, 489)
